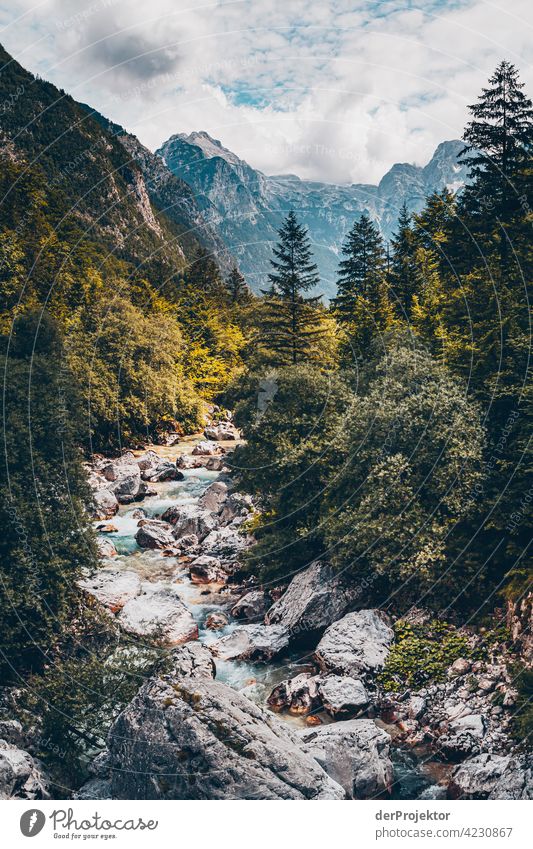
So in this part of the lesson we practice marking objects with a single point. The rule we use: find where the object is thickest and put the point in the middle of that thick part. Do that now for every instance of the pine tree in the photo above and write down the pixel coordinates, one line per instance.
(238, 291)
(363, 271)
(291, 323)
(404, 278)
(498, 140)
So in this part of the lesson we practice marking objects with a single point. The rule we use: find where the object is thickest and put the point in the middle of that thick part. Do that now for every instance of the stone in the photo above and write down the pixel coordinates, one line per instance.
(159, 614)
(192, 660)
(355, 754)
(190, 519)
(314, 599)
(250, 606)
(214, 497)
(221, 433)
(342, 695)
(124, 478)
(251, 642)
(106, 548)
(226, 543)
(105, 504)
(459, 667)
(298, 695)
(236, 506)
(148, 460)
(187, 461)
(206, 570)
(164, 471)
(491, 776)
(356, 645)
(215, 464)
(11, 731)
(416, 707)
(95, 788)
(21, 775)
(207, 449)
(195, 738)
(154, 534)
(463, 736)
(216, 621)
(112, 587)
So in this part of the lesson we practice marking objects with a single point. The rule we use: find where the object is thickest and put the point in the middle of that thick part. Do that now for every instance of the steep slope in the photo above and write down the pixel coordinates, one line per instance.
(111, 188)
(247, 206)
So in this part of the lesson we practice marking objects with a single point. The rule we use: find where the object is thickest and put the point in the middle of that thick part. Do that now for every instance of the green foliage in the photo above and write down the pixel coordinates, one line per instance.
(291, 324)
(421, 654)
(361, 306)
(523, 715)
(130, 367)
(46, 538)
(292, 419)
(416, 456)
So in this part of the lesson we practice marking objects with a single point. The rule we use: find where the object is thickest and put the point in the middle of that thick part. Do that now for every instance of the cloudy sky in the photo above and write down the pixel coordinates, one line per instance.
(334, 90)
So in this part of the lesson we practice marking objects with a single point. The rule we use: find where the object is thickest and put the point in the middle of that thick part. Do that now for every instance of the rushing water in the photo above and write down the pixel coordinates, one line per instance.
(416, 774)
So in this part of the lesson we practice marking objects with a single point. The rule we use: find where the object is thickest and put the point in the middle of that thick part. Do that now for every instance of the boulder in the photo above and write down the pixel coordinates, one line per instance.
(356, 645)
(105, 504)
(463, 736)
(226, 543)
(148, 460)
(21, 775)
(342, 694)
(490, 776)
(164, 471)
(355, 754)
(124, 478)
(159, 614)
(112, 587)
(192, 660)
(106, 548)
(251, 606)
(154, 534)
(190, 519)
(207, 449)
(236, 506)
(251, 642)
(314, 599)
(299, 695)
(216, 621)
(215, 464)
(214, 497)
(221, 433)
(95, 788)
(195, 738)
(187, 461)
(206, 570)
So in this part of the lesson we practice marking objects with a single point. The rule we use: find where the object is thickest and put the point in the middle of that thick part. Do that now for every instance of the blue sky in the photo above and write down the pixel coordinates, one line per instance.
(327, 89)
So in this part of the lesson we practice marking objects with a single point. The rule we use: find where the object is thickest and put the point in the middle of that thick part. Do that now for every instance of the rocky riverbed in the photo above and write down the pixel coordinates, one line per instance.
(269, 695)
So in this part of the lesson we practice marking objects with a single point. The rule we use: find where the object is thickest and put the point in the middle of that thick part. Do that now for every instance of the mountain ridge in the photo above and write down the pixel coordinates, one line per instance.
(247, 206)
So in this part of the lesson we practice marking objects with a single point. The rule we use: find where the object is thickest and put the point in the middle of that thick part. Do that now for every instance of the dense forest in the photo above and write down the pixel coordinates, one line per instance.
(394, 444)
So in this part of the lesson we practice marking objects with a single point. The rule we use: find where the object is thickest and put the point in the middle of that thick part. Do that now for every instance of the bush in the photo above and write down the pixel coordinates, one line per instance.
(421, 654)
(292, 419)
(414, 462)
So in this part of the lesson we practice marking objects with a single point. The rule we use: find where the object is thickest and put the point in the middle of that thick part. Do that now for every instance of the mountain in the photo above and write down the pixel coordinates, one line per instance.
(247, 206)
(100, 180)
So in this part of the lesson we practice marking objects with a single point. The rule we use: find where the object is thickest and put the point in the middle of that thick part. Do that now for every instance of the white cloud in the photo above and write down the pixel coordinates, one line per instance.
(334, 90)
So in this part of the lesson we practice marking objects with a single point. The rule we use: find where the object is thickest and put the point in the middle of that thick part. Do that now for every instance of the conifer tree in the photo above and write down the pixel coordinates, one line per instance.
(498, 140)
(362, 272)
(291, 325)
(404, 281)
(238, 291)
